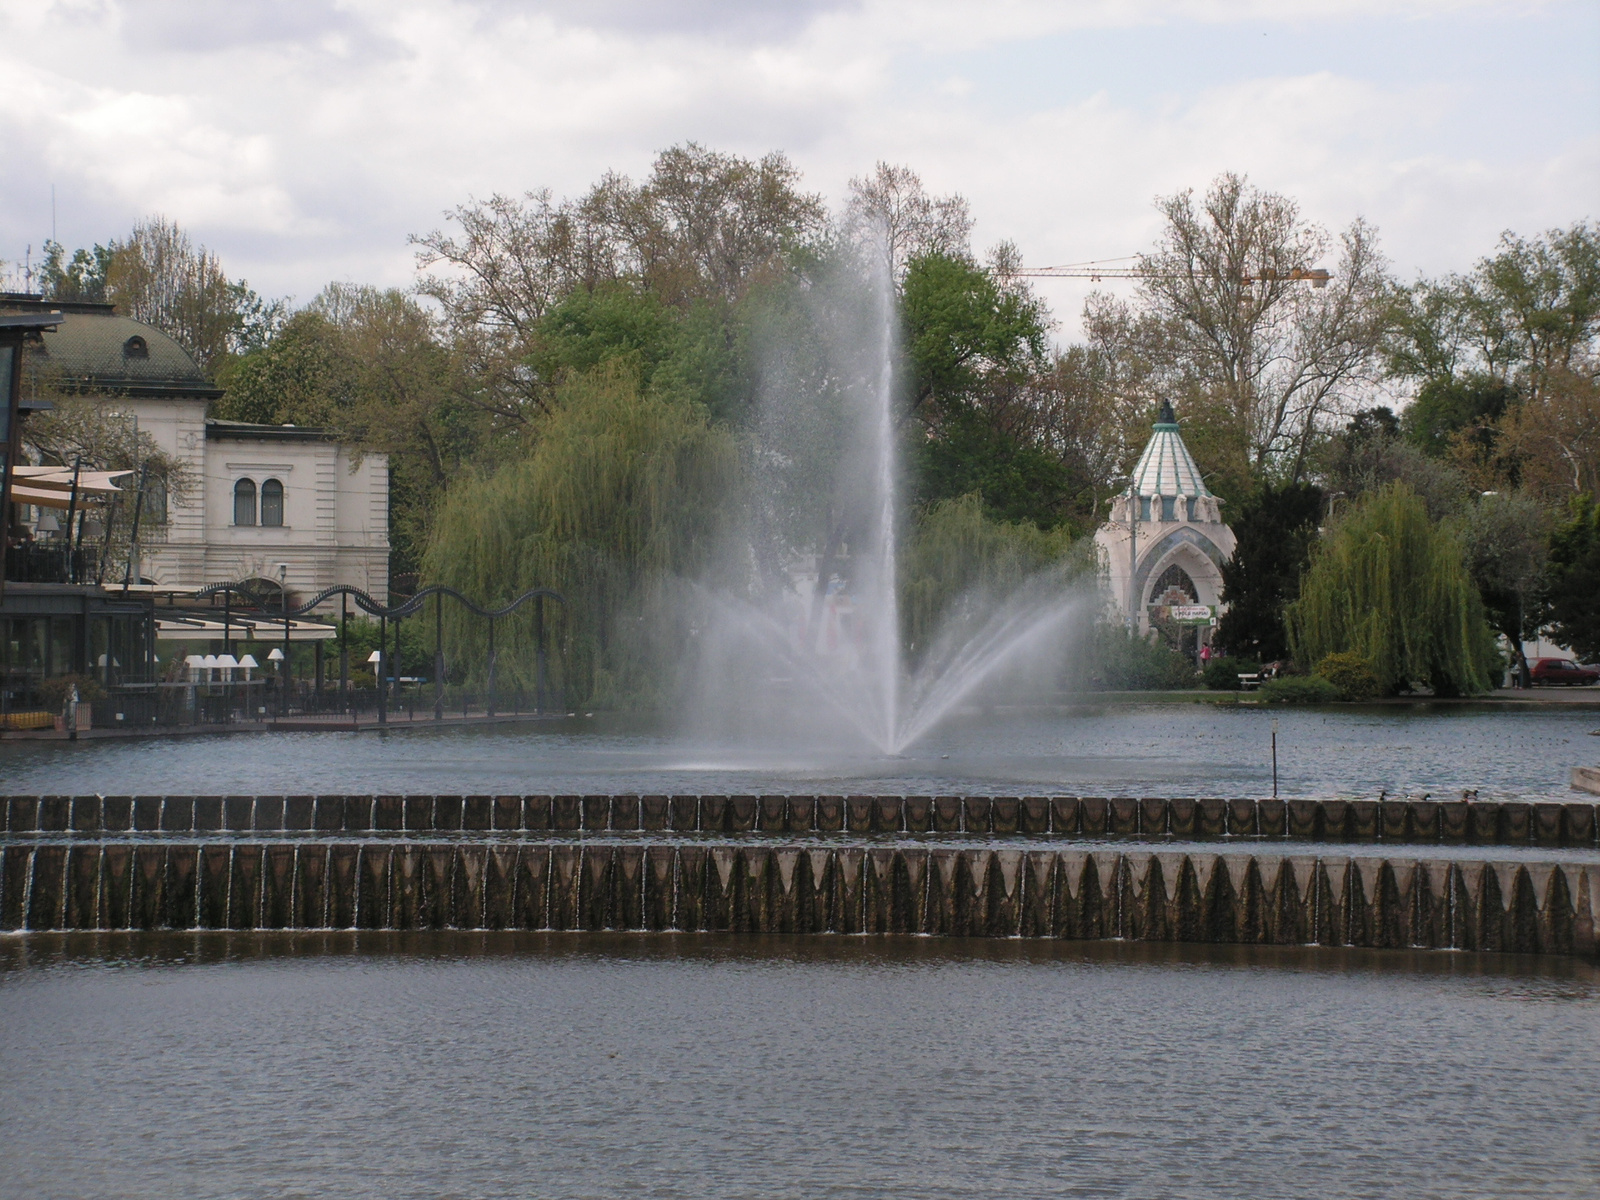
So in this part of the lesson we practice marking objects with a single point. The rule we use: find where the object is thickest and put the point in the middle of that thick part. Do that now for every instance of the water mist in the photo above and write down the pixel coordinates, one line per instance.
(808, 658)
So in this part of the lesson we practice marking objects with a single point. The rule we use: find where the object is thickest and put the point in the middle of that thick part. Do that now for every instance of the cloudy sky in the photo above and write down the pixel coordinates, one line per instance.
(305, 139)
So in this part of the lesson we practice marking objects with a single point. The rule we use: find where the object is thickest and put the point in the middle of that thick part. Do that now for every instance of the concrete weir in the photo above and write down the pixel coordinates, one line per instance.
(1473, 876)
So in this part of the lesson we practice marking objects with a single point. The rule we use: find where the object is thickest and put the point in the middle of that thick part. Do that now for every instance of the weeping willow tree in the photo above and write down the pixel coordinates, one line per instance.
(961, 557)
(1390, 585)
(622, 493)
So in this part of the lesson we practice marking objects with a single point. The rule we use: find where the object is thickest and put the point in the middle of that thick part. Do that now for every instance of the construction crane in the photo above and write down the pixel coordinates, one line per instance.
(1317, 277)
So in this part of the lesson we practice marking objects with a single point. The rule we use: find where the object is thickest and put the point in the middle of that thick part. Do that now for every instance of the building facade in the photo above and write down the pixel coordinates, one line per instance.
(267, 500)
(1162, 551)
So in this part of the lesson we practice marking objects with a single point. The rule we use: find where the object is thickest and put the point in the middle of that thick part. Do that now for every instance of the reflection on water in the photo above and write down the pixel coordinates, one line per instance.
(599, 1065)
(1169, 749)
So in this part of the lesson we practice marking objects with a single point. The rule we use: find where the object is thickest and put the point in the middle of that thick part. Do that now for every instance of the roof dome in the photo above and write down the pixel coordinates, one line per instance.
(96, 349)
(1166, 468)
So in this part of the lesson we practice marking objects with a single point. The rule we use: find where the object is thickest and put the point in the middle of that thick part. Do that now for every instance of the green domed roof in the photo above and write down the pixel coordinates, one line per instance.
(95, 349)
(1166, 468)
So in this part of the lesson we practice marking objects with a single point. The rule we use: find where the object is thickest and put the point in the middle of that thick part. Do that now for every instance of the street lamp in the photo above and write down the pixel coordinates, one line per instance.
(376, 659)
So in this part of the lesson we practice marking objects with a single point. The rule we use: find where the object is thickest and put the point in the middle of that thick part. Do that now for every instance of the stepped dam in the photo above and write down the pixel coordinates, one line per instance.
(1467, 875)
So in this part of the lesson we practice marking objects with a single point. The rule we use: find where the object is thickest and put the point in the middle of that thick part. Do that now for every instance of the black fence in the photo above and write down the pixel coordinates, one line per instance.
(37, 562)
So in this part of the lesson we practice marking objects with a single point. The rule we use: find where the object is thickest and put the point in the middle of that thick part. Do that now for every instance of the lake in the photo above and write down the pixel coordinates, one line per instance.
(1173, 749)
(468, 1065)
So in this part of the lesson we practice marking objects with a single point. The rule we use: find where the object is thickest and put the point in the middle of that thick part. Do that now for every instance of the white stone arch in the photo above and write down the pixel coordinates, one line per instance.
(1186, 547)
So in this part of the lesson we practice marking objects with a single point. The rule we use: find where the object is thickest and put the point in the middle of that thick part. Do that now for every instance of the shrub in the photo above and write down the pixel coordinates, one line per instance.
(1298, 689)
(1126, 662)
(53, 692)
(1351, 675)
(1222, 674)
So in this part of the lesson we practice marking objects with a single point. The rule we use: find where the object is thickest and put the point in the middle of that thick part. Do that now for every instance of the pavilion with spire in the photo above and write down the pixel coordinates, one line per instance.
(1161, 552)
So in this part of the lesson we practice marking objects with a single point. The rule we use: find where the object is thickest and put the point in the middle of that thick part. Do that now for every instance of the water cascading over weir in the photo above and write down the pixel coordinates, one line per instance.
(1482, 876)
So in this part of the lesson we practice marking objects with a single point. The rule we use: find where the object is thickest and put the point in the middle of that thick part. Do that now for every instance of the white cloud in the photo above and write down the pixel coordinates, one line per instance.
(305, 141)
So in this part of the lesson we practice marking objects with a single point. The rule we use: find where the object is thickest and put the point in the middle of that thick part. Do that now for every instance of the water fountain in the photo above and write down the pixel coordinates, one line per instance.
(820, 660)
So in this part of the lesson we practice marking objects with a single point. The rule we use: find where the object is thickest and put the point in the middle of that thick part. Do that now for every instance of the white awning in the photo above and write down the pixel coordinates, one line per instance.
(241, 629)
(51, 487)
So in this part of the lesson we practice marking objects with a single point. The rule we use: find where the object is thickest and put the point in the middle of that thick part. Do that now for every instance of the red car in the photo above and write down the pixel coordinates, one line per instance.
(1562, 670)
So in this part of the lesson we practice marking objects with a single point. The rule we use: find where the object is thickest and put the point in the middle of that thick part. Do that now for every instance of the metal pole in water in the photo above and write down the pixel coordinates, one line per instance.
(1274, 758)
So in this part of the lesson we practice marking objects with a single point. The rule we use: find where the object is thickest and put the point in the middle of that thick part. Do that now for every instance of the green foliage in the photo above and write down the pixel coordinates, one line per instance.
(1505, 540)
(1222, 674)
(960, 552)
(1124, 661)
(961, 328)
(1445, 407)
(411, 655)
(1351, 674)
(372, 367)
(1573, 588)
(1018, 481)
(1298, 689)
(972, 348)
(53, 692)
(697, 350)
(82, 277)
(1276, 529)
(620, 492)
(1389, 585)
(307, 375)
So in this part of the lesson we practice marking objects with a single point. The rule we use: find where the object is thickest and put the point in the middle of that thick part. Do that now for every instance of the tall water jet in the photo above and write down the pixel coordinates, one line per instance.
(810, 656)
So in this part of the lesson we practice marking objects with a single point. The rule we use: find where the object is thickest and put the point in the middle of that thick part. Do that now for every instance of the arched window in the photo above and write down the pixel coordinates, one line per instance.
(272, 502)
(244, 502)
(135, 347)
(1173, 586)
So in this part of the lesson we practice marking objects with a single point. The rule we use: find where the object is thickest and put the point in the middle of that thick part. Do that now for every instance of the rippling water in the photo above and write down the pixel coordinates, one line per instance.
(1171, 749)
(543, 1065)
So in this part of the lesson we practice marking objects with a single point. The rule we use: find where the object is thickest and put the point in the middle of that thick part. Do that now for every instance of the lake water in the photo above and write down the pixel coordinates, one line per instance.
(1181, 749)
(695, 1066)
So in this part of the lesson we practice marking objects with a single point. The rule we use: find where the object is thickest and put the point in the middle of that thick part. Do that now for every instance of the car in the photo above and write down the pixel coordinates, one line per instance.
(1562, 670)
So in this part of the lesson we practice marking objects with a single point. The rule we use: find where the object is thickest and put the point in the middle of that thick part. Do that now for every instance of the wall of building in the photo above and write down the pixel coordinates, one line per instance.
(335, 519)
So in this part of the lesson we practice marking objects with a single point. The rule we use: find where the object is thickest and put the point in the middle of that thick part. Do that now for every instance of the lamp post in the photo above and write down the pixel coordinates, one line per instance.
(376, 659)
(278, 658)
(283, 690)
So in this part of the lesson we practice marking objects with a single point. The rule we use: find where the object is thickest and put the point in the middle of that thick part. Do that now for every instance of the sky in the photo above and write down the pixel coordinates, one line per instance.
(304, 140)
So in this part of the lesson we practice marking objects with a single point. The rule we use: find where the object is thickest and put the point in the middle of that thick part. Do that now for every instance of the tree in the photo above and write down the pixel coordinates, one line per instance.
(1573, 587)
(306, 375)
(620, 493)
(158, 276)
(960, 554)
(1276, 529)
(83, 277)
(1444, 407)
(1504, 538)
(1370, 454)
(1506, 360)
(976, 359)
(1275, 355)
(703, 229)
(1389, 584)
(372, 367)
(890, 213)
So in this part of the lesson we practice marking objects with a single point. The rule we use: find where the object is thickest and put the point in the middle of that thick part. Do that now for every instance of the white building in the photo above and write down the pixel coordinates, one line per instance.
(264, 495)
(1162, 551)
